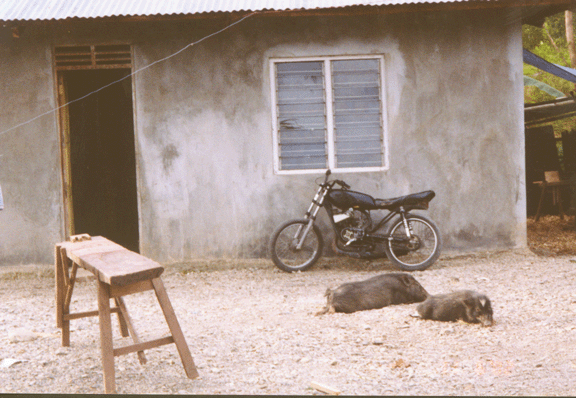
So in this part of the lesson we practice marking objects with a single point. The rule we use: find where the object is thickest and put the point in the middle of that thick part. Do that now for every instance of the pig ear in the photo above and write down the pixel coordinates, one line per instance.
(406, 280)
(469, 302)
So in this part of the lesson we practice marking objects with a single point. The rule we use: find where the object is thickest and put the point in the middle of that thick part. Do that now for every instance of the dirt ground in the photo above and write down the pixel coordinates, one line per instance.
(552, 236)
(252, 330)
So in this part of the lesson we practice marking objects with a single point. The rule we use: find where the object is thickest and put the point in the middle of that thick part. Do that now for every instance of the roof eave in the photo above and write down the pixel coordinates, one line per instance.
(540, 10)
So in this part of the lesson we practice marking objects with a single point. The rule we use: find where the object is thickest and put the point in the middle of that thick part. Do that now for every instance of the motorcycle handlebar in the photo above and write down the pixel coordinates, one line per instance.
(342, 184)
(328, 172)
(339, 182)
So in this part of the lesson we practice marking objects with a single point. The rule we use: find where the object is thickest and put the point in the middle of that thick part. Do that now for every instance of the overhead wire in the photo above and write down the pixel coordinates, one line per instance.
(129, 75)
(510, 18)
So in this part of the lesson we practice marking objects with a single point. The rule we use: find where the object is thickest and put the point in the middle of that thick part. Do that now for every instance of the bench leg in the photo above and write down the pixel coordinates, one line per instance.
(59, 282)
(62, 287)
(106, 338)
(71, 279)
(130, 326)
(60, 297)
(540, 202)
(174, 326)
(558, 194)
(121, 319)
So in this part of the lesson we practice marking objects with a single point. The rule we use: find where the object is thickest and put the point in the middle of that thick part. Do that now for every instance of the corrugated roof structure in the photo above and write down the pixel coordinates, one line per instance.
(29, 10)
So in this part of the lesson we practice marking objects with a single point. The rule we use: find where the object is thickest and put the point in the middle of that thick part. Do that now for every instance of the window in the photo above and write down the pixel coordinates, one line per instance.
(329, 113)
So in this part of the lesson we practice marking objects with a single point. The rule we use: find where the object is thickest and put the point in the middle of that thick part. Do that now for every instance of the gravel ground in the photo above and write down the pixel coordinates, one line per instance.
(252, 330)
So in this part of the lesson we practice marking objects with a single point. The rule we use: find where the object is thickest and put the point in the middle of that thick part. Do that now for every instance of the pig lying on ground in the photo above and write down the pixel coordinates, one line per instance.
(376, 292)
(466, 305)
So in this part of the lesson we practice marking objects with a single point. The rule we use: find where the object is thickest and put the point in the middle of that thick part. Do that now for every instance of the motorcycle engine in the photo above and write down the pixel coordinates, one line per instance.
(352, 229)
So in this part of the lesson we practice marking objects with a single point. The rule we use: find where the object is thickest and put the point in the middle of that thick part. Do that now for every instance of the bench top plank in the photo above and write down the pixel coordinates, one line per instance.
(111, 263)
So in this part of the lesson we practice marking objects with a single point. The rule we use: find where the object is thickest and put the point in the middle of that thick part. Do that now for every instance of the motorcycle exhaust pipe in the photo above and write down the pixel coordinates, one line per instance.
(354, 254)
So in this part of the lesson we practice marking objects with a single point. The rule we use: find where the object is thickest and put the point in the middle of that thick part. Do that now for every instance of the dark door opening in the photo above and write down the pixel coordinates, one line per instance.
(102, 191)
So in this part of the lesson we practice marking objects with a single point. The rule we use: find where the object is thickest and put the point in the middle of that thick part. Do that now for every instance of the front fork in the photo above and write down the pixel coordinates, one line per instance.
(310, 216)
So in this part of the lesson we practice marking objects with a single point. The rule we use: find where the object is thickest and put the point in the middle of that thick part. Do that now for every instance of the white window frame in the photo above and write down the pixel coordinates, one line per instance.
(329, 115)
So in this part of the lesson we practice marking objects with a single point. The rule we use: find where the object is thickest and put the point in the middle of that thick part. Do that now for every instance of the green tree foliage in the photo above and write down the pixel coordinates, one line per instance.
(548, 42)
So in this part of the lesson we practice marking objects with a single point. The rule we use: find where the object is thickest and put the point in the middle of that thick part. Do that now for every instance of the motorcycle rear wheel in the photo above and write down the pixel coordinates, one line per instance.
(283, 246)
(422, 251)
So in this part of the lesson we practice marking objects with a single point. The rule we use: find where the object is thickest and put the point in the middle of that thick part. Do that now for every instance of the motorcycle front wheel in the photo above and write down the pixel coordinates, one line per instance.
(283, 244)
(418, 253)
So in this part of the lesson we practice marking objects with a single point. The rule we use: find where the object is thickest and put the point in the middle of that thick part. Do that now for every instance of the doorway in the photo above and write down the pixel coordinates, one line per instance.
(99, 159)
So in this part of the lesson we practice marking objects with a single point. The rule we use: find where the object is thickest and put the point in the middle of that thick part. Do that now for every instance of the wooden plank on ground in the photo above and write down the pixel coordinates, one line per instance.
(324, 388)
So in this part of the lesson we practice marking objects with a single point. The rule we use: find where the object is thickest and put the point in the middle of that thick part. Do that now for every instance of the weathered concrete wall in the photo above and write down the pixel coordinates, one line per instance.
(29, 155)
(204, 130)
(454, 88)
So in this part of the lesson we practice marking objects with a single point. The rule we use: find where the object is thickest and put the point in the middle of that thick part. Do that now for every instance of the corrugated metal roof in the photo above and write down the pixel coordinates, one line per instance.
(25, 10)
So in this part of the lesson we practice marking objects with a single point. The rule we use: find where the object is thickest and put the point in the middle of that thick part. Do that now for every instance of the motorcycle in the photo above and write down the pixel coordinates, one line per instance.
(410, 241)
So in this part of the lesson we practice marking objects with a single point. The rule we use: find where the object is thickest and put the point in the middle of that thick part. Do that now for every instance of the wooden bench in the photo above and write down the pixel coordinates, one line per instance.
(119, 272)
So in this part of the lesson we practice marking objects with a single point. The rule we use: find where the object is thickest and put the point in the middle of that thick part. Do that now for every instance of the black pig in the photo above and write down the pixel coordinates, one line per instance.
(466, 305)
(376, 292)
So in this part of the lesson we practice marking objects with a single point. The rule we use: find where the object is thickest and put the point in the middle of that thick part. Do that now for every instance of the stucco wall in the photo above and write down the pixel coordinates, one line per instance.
(204, 136)
(29, 154)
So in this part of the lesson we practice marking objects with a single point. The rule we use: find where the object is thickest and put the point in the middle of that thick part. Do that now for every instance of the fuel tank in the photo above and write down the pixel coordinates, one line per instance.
(344, 199)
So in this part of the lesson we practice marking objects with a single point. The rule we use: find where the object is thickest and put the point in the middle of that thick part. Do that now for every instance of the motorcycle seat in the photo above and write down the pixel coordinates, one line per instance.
(419, 199)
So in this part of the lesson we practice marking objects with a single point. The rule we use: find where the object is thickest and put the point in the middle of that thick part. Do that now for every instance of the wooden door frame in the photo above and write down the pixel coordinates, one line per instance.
(66, 167)
(80, 57)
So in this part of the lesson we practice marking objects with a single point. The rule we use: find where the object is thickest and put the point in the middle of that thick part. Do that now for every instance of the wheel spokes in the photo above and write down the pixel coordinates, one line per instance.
(420, 248)
(286, 246)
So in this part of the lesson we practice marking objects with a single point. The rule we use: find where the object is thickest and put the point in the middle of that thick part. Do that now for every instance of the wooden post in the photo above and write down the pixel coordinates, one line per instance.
(569, 25)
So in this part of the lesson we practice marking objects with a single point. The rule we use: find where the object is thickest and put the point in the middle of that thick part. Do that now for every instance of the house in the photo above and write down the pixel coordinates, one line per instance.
(191, 129)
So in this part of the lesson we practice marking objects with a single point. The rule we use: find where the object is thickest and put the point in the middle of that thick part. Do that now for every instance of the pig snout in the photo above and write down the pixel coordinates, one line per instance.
(417, 292)
(483, 310)
(486, 320)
